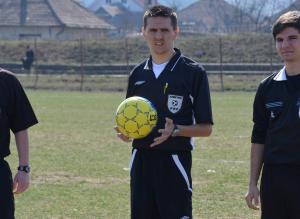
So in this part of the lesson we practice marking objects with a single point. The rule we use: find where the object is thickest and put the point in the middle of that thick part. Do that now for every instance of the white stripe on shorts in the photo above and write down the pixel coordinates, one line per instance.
(182, 171)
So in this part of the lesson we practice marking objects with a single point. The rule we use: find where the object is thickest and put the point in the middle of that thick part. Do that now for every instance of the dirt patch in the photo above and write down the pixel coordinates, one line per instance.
(63, 178)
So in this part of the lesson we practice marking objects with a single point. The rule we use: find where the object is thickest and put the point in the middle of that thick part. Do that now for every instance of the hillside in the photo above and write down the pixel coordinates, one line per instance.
(247, 48)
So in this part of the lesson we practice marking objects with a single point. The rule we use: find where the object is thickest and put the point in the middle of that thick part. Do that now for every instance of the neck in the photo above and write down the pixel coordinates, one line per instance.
(292, 68)
(162, 58)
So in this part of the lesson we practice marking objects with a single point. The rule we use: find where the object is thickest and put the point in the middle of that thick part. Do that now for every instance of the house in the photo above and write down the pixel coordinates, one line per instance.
(130, 5)
(49, 19)
(125, 15)
(218, 16)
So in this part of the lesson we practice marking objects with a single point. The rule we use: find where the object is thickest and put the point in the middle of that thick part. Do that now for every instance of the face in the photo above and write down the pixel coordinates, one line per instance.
(288, 44)
(160, 36)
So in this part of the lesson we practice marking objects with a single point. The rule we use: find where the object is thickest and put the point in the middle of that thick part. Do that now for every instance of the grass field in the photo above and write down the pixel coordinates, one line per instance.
(79, 166)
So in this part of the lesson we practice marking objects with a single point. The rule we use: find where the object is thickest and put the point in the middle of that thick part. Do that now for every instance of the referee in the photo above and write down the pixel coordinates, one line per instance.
(276, 131)
(160, 167)
(16, 115)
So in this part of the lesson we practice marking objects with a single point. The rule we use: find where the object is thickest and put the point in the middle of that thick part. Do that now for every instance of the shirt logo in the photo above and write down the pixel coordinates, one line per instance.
(274, 104)
(174, 103)
(139, 83)
(185, 217)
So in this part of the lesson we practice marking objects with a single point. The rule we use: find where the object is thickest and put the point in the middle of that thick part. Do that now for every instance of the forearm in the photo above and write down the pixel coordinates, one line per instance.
(197, 130)
(256, 161)
(22, 147)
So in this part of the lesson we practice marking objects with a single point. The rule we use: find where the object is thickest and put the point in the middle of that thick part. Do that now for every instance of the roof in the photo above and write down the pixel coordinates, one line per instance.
(96, 4)
(113, 10)
(210, 15)
(48, 13)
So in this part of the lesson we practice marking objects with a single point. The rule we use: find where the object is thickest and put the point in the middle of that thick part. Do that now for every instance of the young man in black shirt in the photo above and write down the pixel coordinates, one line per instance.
(276, 130)
(16, 115)
(160, 166)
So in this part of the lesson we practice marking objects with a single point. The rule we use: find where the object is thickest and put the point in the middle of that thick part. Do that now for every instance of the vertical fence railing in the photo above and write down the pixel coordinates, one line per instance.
(221, 63)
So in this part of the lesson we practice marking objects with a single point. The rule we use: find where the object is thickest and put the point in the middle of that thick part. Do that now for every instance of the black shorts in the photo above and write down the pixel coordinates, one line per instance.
(7, 207)
(161, 185)
(280, 192)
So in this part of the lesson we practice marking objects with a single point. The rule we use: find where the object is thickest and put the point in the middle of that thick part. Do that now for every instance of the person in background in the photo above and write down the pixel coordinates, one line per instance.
(28, 59)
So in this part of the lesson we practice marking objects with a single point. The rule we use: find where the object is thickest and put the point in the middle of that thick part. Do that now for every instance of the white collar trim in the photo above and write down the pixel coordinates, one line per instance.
(281, 76)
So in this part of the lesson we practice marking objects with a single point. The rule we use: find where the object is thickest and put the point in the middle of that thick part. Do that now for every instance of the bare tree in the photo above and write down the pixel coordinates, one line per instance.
(174, 4)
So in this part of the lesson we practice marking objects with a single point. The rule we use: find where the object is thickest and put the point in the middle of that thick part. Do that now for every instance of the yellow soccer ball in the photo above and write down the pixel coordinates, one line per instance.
(136, 117)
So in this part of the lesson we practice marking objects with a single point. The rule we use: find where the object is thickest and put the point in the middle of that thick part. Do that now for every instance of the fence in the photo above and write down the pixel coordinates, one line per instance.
(91, 65)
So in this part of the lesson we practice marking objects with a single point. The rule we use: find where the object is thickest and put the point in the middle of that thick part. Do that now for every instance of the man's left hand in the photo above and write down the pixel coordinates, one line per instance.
(21, 182)
(165, 133)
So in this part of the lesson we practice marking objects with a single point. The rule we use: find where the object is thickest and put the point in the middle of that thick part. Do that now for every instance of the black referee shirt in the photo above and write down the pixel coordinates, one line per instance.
(16, 113)
(181, 92)
(276, 118)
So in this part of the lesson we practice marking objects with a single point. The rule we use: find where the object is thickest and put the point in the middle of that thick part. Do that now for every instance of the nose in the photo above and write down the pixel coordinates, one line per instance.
(158, 35)
(285, 43)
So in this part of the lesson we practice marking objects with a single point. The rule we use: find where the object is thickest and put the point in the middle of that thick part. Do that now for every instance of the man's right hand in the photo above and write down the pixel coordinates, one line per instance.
(252, 197)
(121, 136)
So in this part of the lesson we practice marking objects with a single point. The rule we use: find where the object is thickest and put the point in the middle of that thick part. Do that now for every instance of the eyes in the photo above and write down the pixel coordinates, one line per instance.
(163, 30)
(289, 38)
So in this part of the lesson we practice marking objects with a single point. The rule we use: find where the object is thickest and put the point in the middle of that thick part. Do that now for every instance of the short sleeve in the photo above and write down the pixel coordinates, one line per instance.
(260, 118)
(201, 98)
(21, 114)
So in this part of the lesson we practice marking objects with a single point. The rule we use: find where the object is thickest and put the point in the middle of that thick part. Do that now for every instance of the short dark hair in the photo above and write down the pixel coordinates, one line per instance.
(288, 19)
(161, 11)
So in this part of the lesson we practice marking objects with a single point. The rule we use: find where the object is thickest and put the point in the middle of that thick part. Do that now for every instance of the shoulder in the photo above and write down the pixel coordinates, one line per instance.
(268, 80)
(138, 68)
(7, 76)
(191, 66)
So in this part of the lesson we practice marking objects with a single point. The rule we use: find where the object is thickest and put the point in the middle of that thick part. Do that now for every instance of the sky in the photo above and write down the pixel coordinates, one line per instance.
(185, 3)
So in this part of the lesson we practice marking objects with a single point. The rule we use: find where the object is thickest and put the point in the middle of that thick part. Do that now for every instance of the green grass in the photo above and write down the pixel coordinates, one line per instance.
(78, 163)
(119, 83)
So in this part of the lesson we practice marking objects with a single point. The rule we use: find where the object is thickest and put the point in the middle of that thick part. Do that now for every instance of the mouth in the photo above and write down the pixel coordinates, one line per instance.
(287, 54)
(158, 43)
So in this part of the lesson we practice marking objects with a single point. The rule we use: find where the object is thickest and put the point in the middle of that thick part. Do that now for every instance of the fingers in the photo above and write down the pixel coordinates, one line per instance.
(21, 182)
(121, 136)
(169, 121)
(15, 185)
(164, 136)
(116, 128)
(165, 133)
(158, 141)
(252, 201)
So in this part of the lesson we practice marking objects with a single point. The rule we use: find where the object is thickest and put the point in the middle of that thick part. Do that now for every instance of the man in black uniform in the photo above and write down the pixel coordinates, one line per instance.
(160, 167)
(27, 61)
(16, 115)
(276, 130)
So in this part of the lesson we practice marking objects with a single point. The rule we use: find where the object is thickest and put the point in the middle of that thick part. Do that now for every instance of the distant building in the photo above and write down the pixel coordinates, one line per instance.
(49, 19)
(268, 22)
(126, 15)
(213, 16)
(130, 5)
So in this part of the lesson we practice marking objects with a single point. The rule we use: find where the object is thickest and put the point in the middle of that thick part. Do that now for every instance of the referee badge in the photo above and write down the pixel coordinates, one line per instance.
(174, 103)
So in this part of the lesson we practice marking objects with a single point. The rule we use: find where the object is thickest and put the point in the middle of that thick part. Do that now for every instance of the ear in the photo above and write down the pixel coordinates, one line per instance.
(143, 30)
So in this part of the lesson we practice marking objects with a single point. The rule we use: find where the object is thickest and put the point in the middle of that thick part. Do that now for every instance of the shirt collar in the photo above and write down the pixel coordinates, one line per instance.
(171, 64)
(281, 75)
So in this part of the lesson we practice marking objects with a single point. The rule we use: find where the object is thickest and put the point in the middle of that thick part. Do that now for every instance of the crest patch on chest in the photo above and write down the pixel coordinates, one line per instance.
(174, 103)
